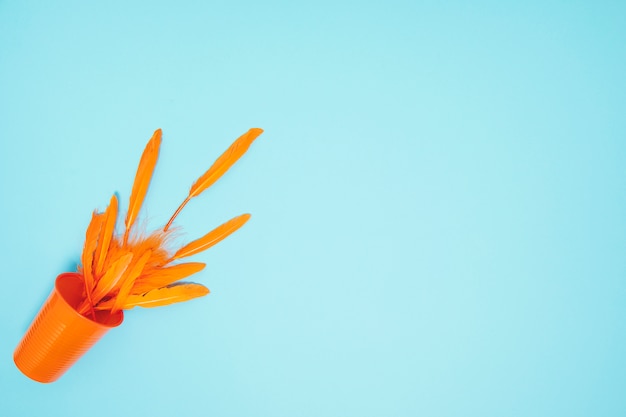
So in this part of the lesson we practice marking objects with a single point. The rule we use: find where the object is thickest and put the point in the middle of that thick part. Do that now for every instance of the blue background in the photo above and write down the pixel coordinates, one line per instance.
(439, 203)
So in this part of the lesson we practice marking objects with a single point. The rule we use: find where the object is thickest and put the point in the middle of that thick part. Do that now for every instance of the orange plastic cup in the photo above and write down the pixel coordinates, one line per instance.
(59, 335)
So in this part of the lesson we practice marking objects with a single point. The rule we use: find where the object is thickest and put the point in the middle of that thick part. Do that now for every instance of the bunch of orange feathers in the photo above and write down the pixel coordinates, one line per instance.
(122, 271)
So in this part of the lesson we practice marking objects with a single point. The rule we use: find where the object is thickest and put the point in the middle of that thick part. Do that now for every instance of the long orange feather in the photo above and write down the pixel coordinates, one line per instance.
(91, 240)
(219, 167)
(213, 237)
(106, 234)
(142, 180)
(129, 280)
(165, 276)
(167, 295)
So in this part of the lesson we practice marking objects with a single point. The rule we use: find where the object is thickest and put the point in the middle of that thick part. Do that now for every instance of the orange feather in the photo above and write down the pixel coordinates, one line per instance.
(225, 161)
(213, 237)
(110, 279)
(164, 296)
(142, 180)
(91, 240)
(165, 276)
(129, 280)
(106, 234)
(168, 295)
(219, 167)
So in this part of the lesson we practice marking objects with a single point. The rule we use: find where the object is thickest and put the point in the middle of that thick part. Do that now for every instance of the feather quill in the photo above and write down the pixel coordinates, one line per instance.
(106, 234)
(165, 276)
(219, 167)
(213, 237)
(142, 180)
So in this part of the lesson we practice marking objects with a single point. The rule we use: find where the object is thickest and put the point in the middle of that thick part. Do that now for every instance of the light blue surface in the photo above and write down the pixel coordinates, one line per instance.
(439, 203)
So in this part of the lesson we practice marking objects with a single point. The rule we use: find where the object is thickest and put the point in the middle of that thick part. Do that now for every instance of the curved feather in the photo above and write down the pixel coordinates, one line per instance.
(142, 180)
(106, 234)
(213, 237)
(167, 295)
(219, 167)
(165, 276)
(129, 280)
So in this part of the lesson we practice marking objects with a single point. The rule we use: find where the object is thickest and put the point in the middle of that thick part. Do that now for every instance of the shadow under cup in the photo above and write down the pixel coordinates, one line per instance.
(59, 335)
